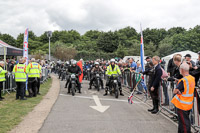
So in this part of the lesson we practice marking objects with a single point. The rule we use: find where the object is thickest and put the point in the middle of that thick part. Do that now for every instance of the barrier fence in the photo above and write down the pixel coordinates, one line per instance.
(9, 85)
(129, 80)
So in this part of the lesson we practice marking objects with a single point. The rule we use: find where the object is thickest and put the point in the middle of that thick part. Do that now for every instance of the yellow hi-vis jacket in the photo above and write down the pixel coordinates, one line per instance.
(115, 72)
(184, 101)
(2, 74)
(20, 72)
(33, 70)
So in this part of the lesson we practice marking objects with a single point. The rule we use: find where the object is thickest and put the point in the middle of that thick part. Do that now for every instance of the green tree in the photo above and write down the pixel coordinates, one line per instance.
(165, 47)
(8, 39)
(108, 41)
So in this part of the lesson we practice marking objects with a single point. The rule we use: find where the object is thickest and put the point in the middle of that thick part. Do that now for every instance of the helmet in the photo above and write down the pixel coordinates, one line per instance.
(73, 62)
(112, 60)
(96, 63)
(67, 62)
(116, 62)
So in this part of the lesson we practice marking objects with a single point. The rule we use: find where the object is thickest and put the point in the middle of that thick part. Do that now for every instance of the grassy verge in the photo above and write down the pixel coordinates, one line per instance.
(12, 111)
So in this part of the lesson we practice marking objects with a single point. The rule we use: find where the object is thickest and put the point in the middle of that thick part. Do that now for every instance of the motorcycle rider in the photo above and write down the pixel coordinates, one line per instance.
(86, 66)
(61, 69)
(76, 70)
(113, 70)
(96, 68)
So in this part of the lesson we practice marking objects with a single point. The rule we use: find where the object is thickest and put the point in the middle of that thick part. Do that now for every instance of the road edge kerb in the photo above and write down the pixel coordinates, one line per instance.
(35, 119)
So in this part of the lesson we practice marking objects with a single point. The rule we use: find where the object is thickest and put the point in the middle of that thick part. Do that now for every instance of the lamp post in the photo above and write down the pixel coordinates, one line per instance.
(49, 35)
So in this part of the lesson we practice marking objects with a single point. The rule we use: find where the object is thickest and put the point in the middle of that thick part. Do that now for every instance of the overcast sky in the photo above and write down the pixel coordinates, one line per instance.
(103, 15)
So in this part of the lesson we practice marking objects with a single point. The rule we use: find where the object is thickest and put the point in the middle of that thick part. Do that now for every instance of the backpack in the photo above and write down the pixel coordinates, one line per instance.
(164, 73)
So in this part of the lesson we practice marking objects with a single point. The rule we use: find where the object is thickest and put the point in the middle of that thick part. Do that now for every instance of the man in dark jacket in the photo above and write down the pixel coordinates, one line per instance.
(76, 70)
(171, 67)
(156, 79)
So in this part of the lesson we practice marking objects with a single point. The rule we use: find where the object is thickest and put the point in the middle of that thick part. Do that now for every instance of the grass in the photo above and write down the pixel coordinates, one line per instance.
(13, 111)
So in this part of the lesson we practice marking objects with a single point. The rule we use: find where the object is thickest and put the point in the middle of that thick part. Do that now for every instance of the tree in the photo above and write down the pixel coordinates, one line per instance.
(121, 51)
(129, 32)
(108, 41)
(150, 49)
(92, 34)
(175, 30)
(165, 47)
(154, 36)
(8, 39)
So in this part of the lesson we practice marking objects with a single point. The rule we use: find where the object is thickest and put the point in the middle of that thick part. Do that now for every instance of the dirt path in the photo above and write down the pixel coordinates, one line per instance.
(34, 120)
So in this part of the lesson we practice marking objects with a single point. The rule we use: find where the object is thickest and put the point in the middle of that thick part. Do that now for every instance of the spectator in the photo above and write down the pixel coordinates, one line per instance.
(171, 67)
(138, 76)
(188, 59)
(163, 64)
(177, 61)
(11, 65)
(133, 65)
(198, 60)
(156, 79)
(149, 71)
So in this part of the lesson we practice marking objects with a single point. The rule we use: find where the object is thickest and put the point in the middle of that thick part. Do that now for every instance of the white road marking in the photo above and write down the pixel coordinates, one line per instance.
(99, 106)
(103, 99)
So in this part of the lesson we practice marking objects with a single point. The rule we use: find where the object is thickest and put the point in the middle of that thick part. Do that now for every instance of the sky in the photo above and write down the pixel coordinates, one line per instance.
(103, 15)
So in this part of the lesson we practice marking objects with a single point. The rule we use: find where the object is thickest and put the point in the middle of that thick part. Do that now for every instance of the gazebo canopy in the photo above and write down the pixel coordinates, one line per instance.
(10, 50)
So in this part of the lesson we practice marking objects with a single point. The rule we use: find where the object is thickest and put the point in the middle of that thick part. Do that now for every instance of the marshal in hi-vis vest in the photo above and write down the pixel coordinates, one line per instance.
(2, 74)
(20, 73)
(115, 72)
(33, 69)
(184, 101)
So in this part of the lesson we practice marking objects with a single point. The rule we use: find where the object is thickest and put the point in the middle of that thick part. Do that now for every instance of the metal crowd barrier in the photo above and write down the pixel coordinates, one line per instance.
(166, 95)
(9, 85)
(45, 74)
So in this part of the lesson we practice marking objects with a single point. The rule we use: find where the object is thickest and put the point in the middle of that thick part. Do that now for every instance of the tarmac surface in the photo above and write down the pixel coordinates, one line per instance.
(91, 112)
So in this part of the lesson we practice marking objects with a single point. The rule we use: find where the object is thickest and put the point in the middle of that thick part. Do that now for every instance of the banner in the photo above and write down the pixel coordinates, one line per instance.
(143, 81)
(25, 46)
(142, 51)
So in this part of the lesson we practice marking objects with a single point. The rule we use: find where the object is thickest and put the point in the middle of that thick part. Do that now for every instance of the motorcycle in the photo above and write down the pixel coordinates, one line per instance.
(113, 86)
(87, 74)
(97, 82)
(63, 74)
(72, 83)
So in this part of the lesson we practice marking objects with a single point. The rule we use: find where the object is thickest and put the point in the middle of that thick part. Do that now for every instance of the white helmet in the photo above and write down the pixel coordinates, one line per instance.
(74, 62)
(112, 60)
(96, 63)
(67, 62)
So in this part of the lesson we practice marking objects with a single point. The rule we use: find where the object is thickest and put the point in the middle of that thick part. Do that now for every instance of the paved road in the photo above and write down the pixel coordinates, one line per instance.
(74, 115)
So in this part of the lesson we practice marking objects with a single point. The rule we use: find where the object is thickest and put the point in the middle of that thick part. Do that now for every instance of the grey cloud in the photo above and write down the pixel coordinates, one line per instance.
(84, 15)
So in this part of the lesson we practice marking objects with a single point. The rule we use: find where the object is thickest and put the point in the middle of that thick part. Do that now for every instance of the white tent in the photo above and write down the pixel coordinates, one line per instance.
(183, 53)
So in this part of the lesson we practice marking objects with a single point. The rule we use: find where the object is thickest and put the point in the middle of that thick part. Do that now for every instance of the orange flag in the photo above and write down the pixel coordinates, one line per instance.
(81, 66)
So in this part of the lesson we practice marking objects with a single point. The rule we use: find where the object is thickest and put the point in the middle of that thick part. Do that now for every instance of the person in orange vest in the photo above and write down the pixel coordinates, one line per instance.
(183, 99)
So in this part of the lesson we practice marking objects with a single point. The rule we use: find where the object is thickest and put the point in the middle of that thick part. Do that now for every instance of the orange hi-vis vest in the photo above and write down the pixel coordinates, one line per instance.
(184, 101)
